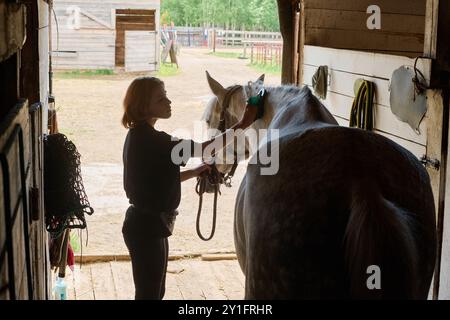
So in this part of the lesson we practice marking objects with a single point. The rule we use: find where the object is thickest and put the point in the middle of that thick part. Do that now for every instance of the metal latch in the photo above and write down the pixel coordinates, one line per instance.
(430, 163)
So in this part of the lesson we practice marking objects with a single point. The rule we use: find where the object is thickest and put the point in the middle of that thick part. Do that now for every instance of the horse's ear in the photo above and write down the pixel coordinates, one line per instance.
(261, 78)
(215, 86)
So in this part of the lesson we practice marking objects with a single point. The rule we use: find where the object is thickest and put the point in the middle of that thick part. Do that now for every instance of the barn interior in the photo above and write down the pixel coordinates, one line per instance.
(341, 35)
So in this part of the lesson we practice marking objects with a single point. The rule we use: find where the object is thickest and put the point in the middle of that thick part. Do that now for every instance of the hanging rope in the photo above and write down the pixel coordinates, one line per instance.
(214, 180)
(65, 199)
(362, 109)
(419, 83)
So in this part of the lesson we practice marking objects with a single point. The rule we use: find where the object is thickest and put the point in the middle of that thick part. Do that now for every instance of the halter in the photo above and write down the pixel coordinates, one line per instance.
(216, 178)
(222, 127)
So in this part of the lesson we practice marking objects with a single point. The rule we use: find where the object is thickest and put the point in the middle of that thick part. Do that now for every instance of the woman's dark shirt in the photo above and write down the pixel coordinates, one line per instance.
(151, 179)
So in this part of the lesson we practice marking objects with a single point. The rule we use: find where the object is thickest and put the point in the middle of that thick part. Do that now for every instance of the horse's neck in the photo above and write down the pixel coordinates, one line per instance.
(305, 114)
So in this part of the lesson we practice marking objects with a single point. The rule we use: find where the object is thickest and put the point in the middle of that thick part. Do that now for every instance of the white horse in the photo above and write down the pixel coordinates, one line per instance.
(350, 214)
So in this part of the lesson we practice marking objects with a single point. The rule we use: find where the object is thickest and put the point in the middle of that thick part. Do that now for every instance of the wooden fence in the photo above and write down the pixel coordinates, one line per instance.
(235, 38)
(264, 53)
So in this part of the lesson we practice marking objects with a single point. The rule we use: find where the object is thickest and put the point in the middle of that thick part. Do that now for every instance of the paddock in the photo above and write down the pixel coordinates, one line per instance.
(315, 33)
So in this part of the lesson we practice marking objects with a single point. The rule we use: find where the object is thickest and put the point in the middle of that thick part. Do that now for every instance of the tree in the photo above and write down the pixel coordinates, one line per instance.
(232, 14)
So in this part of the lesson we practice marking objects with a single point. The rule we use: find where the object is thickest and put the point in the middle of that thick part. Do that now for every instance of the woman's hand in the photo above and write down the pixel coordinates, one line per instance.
(249, 116)
(204, 167)
(196, 172)
(254, 109)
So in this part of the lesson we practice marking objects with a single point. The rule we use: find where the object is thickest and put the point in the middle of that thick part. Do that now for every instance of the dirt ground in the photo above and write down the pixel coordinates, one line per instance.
(89, 113)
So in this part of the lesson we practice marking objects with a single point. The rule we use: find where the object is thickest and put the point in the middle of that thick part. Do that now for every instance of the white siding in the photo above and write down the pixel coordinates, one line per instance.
(347, 66)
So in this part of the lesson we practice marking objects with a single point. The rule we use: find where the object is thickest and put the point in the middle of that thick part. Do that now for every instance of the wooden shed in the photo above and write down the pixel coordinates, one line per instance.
(106, 34)
(336, 34)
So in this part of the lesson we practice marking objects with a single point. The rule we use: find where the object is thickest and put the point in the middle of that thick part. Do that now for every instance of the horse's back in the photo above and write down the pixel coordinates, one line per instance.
(296, 219)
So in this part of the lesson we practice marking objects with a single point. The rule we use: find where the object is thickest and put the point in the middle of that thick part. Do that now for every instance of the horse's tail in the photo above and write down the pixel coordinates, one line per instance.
(380, 249)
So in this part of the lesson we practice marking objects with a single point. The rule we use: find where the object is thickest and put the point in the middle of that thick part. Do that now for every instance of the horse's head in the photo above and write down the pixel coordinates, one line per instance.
(232, 100)
(229, 104)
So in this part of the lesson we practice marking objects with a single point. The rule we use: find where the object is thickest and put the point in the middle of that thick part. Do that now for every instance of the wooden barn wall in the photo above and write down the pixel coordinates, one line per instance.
(342, 24)
(23, 240)
(93, 46)
(345, 68)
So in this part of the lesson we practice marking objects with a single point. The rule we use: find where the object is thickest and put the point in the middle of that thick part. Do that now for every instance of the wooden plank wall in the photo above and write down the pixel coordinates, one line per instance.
(140, 53)
(345, 68)
(342, 24)
(93, 46)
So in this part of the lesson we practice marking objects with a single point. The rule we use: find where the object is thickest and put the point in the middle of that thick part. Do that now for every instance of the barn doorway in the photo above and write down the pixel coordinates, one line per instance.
(89, 108)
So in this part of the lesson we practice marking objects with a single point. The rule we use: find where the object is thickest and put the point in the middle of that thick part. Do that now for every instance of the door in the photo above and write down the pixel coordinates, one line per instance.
(131, 20)
(140, 51)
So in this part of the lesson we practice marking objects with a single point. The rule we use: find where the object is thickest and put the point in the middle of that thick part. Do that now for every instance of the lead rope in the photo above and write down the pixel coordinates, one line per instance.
(214, 178)
(200, 189)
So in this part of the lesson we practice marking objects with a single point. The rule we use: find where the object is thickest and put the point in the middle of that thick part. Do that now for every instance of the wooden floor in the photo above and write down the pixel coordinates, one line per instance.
(189, 279)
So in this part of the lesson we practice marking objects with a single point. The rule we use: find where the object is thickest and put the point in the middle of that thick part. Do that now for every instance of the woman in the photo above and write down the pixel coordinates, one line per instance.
(152, 181)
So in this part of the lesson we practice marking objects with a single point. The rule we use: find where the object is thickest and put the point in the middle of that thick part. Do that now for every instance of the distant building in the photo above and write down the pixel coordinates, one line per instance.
(94, 34)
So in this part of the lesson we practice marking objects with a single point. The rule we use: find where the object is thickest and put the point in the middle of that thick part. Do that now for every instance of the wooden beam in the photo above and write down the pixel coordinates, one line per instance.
(286, 12)
(136, 19)
(413, 7)
(29, 69)
(134, 12)
(301, 44)
(431, 27)
(436, 47)
(356, 20)
(135, 26)
(363, 40)
(443, 36)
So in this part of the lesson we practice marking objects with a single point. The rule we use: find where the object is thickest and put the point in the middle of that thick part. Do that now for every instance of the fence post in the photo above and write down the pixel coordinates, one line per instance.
(189, 37)
(245, 45)
(265, 54)
(271, 55)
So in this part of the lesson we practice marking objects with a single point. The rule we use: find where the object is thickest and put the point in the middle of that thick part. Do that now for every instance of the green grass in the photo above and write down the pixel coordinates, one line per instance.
(84, 73)
(231, 55)
(266, 68)
(168, 70)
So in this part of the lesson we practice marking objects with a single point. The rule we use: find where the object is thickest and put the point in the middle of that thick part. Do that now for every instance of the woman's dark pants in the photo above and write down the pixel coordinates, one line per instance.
(149, 255)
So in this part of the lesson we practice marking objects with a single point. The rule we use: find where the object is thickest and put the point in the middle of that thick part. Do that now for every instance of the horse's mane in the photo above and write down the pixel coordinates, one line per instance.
(295, 107)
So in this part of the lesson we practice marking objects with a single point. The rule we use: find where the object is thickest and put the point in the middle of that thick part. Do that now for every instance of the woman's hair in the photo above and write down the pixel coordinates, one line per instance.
(138, 99)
